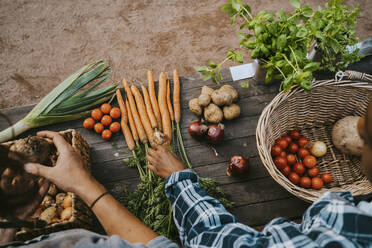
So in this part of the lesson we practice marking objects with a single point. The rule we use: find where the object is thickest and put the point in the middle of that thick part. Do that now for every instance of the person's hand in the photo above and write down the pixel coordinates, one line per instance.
(163, 162)
(70, 173)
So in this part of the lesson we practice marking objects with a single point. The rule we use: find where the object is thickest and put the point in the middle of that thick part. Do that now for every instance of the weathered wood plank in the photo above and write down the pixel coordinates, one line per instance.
(262, 213)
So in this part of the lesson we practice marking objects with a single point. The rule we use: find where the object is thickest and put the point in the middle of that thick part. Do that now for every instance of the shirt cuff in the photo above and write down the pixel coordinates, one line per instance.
(172, 184)
(180, 176)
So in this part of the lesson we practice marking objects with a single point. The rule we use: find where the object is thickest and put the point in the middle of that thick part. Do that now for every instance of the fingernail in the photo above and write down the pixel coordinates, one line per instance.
(30, 168)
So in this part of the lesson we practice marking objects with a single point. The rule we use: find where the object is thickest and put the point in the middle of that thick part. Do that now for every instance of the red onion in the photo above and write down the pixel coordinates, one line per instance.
(197, 129)
(215, 133)
(237, 166)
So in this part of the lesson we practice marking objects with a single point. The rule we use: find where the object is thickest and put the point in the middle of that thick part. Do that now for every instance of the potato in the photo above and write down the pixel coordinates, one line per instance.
(231, 112)
(59, 198)
(48, 214)
(195, 107)
(207, 90)
(67, 202)
(52, 190)
(213, 113)
(345, 136)
(66, 213)
(222, 97)
(204, 100)
(233, 92)
(47, 202)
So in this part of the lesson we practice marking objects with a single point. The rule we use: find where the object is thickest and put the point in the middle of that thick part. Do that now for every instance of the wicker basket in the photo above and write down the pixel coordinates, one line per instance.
(81, 214)
(314, 113)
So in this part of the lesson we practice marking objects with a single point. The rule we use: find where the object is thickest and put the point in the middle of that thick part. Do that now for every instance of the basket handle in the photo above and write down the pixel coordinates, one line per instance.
(354, 75)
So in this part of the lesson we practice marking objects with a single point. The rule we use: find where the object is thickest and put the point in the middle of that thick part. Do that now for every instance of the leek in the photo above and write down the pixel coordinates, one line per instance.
(64, 103)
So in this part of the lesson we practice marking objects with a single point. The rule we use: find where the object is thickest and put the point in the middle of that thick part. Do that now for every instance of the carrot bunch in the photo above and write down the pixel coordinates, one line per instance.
(154, 120)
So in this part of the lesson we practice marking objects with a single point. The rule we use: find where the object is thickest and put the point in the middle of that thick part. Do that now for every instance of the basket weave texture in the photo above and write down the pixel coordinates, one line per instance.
(81, 214)
(314, 114)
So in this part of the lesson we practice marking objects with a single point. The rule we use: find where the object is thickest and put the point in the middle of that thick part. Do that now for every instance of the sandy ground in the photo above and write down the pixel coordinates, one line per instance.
(44, 41)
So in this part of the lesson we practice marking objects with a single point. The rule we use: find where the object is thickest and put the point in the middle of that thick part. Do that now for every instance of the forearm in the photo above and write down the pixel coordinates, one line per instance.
(115, 218)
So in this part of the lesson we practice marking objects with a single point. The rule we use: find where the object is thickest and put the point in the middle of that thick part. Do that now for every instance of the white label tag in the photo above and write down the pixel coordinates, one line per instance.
(243, 71)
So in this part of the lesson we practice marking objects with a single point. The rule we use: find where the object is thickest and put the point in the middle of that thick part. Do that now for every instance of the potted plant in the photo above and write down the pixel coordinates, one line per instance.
(280, 41)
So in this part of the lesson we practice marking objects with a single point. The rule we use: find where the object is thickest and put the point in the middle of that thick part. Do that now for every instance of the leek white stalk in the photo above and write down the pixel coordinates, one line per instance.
(63, 103)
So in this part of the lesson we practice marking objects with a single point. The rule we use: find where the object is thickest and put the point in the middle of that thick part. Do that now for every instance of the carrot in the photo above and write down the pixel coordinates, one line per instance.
(154, 102)
(140, 130)
(124, 119)
(163, 106)
(123, 109)
(150, 112)
(176, 96)
(143, 113)
(131, 122)
(169, 102)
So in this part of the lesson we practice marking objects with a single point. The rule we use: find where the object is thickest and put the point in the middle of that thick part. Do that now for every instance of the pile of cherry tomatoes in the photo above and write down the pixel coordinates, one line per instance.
(101, 121)
(293, 158)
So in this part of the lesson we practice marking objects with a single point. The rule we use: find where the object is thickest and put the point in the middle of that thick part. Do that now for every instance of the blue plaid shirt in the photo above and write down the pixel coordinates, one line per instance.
(332, 221)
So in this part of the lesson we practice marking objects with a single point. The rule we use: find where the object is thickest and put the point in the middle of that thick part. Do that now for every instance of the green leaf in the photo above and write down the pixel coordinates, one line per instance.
(212, 64)
(244, 85)
(306, 84)
(307, 11)
(281, 42)
(295, 3)
(207, 76)
(312, 66)
(201, 68)
(219, 75)
(302, 32)
(241, 35)
(281, 15)
(236, 5)
(227, 8)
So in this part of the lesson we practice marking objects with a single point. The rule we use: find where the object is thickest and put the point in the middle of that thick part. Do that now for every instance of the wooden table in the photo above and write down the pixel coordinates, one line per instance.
(258, 197)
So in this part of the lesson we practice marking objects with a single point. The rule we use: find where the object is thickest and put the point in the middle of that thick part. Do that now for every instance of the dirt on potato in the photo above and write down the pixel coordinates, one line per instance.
(42, 42)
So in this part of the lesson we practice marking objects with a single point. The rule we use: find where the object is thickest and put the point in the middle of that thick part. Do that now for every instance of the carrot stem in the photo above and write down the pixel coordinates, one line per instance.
(180, 140)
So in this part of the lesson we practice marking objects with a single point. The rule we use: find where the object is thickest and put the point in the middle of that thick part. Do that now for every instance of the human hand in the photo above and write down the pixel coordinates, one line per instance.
(70, 174)
(163, 162)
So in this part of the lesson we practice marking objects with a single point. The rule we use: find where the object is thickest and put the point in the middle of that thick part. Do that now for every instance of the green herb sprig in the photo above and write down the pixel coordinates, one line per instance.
(281, 41)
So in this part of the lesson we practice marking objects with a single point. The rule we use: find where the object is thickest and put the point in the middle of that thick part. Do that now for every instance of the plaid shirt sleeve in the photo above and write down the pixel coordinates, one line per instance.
(332, 221)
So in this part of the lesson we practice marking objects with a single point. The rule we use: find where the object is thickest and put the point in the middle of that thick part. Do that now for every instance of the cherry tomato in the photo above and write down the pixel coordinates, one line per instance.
(288, 139)
(115, 127)
(276, 150)
(97, 114)
(106, 108)
(316, 183)
(106, 120)
(299, 168)
(313, 172)
(293, 147)
(303, 141)
(286, 170)
(280, 162)
(294, 177)
(282, 143)
(115, 113)
(283, 154)
(309, 161)
(295, 134)
(291, 159)
(99, 127)
(88, 123)
(106, 134)
(305, 182)
(303, 152)
(326, 177)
